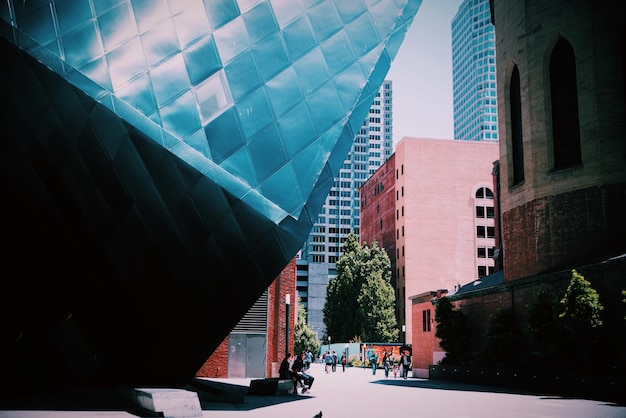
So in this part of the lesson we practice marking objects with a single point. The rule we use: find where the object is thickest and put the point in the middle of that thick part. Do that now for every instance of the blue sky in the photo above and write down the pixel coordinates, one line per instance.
(422, 74)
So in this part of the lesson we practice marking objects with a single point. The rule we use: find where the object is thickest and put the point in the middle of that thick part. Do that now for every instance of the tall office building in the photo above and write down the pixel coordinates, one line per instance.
(474, 73)
(340, 215)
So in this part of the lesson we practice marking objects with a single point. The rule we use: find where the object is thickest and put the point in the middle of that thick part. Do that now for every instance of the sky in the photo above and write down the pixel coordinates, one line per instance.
(421, 74)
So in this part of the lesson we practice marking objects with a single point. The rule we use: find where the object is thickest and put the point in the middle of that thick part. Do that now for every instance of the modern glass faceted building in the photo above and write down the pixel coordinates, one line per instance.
(162, 161)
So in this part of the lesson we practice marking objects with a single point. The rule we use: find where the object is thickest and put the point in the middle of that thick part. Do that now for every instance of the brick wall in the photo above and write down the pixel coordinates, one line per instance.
(554, 232)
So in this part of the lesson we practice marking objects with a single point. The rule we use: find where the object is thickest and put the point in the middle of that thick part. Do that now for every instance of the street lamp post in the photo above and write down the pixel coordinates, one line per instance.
(347, 353)
(329, 343)
(287, 309)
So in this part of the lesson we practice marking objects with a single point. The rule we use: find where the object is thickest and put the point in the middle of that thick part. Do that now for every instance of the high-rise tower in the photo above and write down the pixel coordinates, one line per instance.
(373, 145)
(474, 73)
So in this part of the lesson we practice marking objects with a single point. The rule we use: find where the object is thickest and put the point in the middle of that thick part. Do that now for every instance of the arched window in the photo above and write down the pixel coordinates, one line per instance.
(564, 95)
(517, 148)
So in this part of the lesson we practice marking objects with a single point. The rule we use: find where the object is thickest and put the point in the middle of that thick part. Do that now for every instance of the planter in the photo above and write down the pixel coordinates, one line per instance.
(570, 384)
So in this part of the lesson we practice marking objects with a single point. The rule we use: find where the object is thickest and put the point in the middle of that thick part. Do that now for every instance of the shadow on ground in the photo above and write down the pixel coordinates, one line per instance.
(213, 396)
(458, 386)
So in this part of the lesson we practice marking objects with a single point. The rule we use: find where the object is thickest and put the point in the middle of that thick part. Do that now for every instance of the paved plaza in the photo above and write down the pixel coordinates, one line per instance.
(355, 393)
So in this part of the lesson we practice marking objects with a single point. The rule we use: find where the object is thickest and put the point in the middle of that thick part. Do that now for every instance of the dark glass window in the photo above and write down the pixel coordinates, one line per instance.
(564, 96)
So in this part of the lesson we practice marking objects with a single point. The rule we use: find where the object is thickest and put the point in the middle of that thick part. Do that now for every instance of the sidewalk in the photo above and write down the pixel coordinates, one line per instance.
(355, 393)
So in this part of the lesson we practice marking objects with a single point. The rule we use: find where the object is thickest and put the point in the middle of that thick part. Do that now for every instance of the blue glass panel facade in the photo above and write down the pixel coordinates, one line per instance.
(199, 141)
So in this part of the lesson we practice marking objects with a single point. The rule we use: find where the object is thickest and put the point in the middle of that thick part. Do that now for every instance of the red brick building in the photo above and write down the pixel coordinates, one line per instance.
(378, 211)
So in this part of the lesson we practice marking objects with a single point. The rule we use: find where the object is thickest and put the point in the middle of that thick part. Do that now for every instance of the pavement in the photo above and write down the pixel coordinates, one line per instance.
(353, 393)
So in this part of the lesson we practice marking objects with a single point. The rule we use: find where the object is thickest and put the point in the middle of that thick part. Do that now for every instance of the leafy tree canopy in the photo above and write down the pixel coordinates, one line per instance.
(305, 338)
(360, 301)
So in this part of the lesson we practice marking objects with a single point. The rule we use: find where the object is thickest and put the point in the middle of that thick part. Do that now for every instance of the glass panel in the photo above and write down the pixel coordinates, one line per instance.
(202, 60)
(349, 85)
(283, 92)
(296, 130)
(337, 53)
(180, 116)
(98, 72)
(169, 79)
(267, 152)
(254, 113)
(311, 71)
(260, 22)
(220, 12)
(117, 26)
(299, 37)
(242, 75)
(213, 97)
(270, 56)
(71, 14)
(147, 12)
(348, 10)
(160, 42)
(38, 24)
(224, 135)
(82, 46)
(191, 23)
(324, 20)
(231, 40)
(139, 94)
(324, 107)
(362, 34)
(286, 10)
(274, 189)
(240, 164)
(126, 63)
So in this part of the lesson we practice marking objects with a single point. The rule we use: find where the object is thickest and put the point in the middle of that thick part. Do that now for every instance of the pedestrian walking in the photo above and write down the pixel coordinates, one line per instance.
(335, 361)
(405, 363)
(344, 361)
(386, 362)
(328, 361)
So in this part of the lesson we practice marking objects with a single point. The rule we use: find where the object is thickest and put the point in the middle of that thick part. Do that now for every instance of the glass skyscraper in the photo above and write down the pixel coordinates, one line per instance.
(163, 160)
(341, 212)
(474, 73)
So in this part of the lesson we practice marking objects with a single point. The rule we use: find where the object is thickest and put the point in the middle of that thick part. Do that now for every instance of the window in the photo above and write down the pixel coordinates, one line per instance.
(480, 232)
(426, 320)
(516, 128)
(564, 96)
(482, 271)
(480, 212)
(482, 252)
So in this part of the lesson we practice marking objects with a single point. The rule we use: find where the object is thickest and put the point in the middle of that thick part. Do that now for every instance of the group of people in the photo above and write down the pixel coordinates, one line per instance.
(403, 366)
(297, 371)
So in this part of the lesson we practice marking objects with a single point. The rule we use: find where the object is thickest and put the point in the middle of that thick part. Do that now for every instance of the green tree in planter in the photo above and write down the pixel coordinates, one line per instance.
(581, 321)
(452, 332)
(504, 341)
(305, 338)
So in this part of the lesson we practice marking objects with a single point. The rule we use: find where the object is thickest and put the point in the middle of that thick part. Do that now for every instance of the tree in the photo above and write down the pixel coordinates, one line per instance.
(452, 332)
(305, 338)
(580, 317)
(376, 310)
(360, 301)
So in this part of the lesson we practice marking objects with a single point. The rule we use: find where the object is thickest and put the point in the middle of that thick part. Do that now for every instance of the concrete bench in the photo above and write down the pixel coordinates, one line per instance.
(271, 386)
